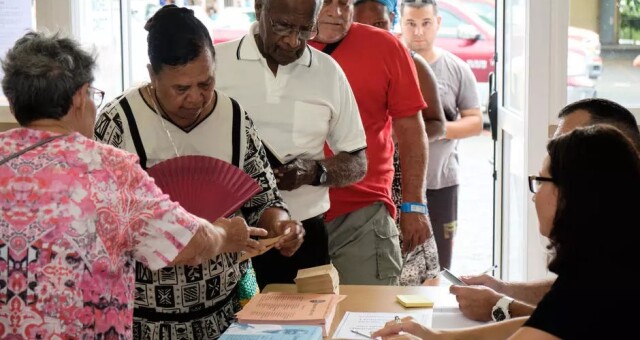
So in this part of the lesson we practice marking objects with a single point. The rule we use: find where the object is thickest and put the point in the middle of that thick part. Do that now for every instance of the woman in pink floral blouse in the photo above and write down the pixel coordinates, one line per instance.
(74, 213)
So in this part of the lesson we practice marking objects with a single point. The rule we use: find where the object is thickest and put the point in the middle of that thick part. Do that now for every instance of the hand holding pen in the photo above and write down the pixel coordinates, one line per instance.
(396, 321)
(361, 333)
(463, 280)
(477, 298)
(484, 279)
(488, 270)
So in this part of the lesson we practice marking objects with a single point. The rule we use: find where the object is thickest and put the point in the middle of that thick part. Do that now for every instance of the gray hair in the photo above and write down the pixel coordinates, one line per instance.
(41, 74)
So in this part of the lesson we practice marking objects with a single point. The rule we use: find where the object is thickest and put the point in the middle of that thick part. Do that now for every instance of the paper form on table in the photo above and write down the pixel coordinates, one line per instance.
(368, 323)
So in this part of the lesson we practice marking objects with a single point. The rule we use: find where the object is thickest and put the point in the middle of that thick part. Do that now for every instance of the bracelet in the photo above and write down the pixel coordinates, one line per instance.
(413, 207)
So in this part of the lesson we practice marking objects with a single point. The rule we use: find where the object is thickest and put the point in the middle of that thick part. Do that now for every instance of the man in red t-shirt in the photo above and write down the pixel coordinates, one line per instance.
(363, 238)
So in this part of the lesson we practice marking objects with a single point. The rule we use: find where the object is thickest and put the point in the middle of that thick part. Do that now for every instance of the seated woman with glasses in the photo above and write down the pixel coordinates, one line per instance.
(181, 113)
(587, 199)
(76, 213)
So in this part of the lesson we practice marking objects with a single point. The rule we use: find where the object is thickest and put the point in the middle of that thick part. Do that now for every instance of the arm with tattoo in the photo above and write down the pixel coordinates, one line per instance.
(342, 169)
(345, 168)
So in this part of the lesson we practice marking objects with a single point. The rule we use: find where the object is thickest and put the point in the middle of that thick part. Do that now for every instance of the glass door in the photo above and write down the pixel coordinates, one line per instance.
(527, 82)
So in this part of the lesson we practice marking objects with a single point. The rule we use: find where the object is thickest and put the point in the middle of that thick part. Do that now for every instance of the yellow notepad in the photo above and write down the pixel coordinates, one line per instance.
(414, 301)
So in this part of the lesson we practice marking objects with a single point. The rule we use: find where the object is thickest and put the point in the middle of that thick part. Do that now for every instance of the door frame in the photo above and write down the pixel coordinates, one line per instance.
(544, 95)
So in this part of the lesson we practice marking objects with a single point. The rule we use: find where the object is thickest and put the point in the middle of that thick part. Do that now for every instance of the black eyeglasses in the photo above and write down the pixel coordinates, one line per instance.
(536, 181)
(96, 95)
(285, 30)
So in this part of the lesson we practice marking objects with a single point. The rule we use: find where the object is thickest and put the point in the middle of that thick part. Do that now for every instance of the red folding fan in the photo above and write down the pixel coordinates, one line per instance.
(205, 186)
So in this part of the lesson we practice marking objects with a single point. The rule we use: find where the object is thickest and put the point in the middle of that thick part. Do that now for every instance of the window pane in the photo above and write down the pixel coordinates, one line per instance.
(98, 30)
(140, 11)
(225, 21)
(450, 23)
(514, 52)
(16, 17)
(513, 209)
(485, 10)
(604, 40)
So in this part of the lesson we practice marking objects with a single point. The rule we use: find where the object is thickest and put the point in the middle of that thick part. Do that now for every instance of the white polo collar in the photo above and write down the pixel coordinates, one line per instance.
(248, 49)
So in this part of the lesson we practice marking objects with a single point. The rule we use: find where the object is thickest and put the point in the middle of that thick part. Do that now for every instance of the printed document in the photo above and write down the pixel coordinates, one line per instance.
(367, 323)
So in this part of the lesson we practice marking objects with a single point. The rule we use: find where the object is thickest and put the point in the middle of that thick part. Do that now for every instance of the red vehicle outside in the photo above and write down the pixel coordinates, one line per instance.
(465, 34)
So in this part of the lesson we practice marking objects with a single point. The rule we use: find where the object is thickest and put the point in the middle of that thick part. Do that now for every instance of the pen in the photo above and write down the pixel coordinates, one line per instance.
(490, 269)
(368, 336)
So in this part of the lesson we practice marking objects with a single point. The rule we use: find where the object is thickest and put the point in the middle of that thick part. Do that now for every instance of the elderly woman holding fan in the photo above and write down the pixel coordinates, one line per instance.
(76, 213)
(179, 114)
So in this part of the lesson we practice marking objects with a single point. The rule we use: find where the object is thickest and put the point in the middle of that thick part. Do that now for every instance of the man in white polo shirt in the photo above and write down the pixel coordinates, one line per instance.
(299, 99)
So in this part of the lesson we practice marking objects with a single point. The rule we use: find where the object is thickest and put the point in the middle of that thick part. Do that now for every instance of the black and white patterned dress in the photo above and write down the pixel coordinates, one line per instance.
(422, 263)
(190, 302)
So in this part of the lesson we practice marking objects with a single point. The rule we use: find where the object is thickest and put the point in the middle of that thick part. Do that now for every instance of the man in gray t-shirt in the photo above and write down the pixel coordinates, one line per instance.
(459, 98)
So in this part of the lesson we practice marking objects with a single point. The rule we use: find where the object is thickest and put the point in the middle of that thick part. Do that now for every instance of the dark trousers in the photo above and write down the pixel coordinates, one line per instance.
(272, 267)
(443, 212)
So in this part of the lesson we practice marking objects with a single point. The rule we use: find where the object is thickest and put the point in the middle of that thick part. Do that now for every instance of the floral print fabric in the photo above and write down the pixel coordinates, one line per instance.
(74, 215)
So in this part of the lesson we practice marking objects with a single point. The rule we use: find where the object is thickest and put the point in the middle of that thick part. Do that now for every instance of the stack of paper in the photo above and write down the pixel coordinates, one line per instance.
(240, 331)
(320, 280)
(291, 309)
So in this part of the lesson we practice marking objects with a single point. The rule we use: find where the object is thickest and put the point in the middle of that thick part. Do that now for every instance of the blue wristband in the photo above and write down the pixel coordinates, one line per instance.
(412, 207)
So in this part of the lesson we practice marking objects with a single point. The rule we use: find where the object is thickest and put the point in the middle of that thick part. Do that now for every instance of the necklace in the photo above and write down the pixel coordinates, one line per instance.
(152, 98)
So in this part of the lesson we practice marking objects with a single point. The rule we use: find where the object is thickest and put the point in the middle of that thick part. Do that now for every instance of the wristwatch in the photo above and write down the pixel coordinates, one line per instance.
(501, 310)
(321, 175)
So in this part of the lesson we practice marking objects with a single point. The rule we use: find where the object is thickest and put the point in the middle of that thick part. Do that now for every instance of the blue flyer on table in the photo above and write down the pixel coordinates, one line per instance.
(240, 331)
